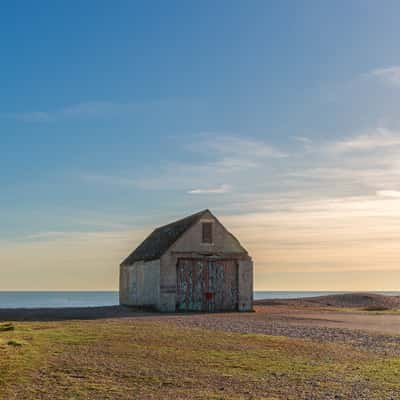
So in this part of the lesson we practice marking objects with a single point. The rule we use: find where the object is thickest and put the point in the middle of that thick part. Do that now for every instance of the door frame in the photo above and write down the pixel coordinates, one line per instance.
(206, 260)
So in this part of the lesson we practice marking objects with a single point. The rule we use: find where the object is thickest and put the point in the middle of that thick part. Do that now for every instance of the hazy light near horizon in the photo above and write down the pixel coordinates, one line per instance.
(310, 230)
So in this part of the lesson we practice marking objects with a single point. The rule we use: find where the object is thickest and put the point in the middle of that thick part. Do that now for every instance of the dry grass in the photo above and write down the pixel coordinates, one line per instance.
(135, 359)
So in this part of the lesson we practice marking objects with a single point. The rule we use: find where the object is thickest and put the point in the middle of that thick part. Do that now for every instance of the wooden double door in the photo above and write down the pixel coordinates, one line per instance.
(207, 284)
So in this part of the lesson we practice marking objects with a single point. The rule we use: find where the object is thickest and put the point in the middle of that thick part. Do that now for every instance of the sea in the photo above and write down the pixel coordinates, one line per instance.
(52, 299)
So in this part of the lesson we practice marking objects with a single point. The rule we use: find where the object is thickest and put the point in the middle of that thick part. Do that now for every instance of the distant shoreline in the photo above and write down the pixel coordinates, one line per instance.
(363, 301)
(73, 299)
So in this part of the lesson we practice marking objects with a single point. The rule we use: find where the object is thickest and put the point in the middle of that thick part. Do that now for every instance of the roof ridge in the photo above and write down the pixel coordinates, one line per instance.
(162, 238)
(199, 213)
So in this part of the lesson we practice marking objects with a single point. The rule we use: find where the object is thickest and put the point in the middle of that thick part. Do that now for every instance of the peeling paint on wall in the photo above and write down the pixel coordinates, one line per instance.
(207, 285)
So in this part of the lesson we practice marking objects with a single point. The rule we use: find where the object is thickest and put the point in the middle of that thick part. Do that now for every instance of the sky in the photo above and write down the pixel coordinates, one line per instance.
(281, 117)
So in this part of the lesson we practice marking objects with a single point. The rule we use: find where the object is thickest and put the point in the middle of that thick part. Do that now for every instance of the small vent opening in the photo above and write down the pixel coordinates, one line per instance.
(207, 232)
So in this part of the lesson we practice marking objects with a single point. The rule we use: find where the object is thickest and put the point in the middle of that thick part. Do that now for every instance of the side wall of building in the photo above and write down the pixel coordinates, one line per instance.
(140, 284)
(190, 245)
(245, 285)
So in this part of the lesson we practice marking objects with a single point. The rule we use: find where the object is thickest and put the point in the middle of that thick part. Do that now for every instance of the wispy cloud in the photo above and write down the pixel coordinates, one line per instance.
(218, 159)
(303, 139)
(333, 206)
(97, 109)
(109, 180)
(356, 164)
(90, 109)
(230, 145)
(371, 141)
(48, 235)
(217, 190)
(28, 117)
(234, 152)
(388, 75)
(389, 193)
(227, 154)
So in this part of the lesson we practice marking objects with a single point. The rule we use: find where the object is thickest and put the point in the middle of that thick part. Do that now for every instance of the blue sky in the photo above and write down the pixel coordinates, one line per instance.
(282, 117)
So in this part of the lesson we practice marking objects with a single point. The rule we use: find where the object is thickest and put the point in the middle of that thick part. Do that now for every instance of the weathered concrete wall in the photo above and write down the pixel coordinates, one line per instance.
(140, 284)
(245, 285)
(190, 244)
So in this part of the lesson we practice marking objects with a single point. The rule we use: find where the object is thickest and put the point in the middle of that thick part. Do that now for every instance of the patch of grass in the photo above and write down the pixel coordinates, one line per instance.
(376, 308)
(6, 327)
(136, 359)
(14, 343)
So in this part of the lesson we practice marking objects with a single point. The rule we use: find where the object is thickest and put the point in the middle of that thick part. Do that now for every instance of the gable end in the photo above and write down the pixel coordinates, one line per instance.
(161, 239)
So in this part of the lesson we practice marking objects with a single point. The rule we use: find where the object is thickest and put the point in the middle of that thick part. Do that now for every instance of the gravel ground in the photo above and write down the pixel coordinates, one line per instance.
(347, 300)
(271, 324)
(278, 320)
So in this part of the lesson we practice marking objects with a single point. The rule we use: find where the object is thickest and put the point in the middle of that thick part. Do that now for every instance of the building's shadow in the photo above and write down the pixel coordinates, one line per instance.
(72, 313)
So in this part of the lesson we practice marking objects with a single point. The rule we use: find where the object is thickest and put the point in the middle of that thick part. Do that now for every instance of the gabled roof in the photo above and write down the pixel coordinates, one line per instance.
(161, 239)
